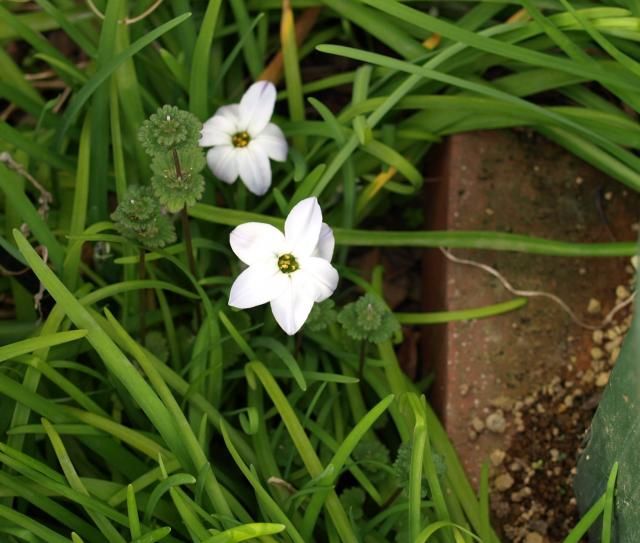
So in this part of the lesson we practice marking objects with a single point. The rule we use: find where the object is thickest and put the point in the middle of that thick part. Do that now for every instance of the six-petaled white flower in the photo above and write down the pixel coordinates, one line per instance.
(290, 270)
(242, 139)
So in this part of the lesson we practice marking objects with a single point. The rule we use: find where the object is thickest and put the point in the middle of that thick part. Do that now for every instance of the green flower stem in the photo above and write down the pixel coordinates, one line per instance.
(496, 241)
(186, 230)
(142, 294)
(439, 317)
(176, 162)
(188, 242)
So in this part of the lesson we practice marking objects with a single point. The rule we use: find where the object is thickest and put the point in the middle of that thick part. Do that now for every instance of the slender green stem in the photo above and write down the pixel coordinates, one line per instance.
(495, 241)
(184, 217)
(188, 242)
(361, 357)
(142, 293)
(438, 317)
(176, 162)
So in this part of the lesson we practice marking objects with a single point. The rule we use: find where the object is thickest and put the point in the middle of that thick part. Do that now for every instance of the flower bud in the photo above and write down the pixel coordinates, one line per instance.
(139, 218)
(169, 128)
(368, 318)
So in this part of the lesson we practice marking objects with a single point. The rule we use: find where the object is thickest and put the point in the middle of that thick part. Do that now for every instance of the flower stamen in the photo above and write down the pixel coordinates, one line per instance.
(240, 139)
(288, 263)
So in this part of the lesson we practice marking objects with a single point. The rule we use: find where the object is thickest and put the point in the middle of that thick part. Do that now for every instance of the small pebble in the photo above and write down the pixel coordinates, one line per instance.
(503, 402)
(622, 292)
(611, 333)
(614, 356)
(477, 424)
(602, 379)
(521, 494)
(597, 353)
(503, 482)
(497, 457)
(496, 422)
(533, 537)
(612, 345)
(594, 306)
(598, 336)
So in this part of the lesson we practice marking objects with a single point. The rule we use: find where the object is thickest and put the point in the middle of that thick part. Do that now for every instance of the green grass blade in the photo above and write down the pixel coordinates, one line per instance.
(296, 431)
(285, 355)
(80, 99)
(36, 40)
(381, 27)
(246, 532)
(32, 527)
(80, 202)
(115, 361)
(291, 66)
(607, 513)
(268, 503)
(66, 23)
(132, 513)
(438, 317)
(162, 488)
(252, 56)
(338, 461)
(12, 75)
(497, 241)
(17, 139)
(199, 81)
(11, 184)
(75, 483)
(39, 342)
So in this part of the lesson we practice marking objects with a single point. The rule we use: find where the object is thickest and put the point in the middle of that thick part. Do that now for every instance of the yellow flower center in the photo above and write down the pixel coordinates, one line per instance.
(288, 263)
(240, 139)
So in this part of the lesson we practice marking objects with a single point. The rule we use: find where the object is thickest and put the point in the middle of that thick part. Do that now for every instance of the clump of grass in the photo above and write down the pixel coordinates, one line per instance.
(220, 428)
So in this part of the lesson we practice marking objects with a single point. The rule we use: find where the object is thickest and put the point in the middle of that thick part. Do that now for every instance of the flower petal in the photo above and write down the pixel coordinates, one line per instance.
(254, 168)
(302, 227)
(292, 307)
(256, 107)
(226, 121)
(319, 278)
(257, 285)
(272, 141)
(256, 241)
(326, 243)
(222, 162)
(217, 131)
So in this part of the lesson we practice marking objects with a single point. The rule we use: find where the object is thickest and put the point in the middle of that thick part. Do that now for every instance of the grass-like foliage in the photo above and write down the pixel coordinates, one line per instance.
(136, 405)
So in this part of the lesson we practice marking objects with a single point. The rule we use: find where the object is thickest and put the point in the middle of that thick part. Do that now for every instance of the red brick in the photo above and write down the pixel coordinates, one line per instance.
(513, 181)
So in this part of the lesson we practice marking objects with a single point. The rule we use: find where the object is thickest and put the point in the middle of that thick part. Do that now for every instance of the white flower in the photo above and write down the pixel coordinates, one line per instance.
(242, 139)
(290, 270)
